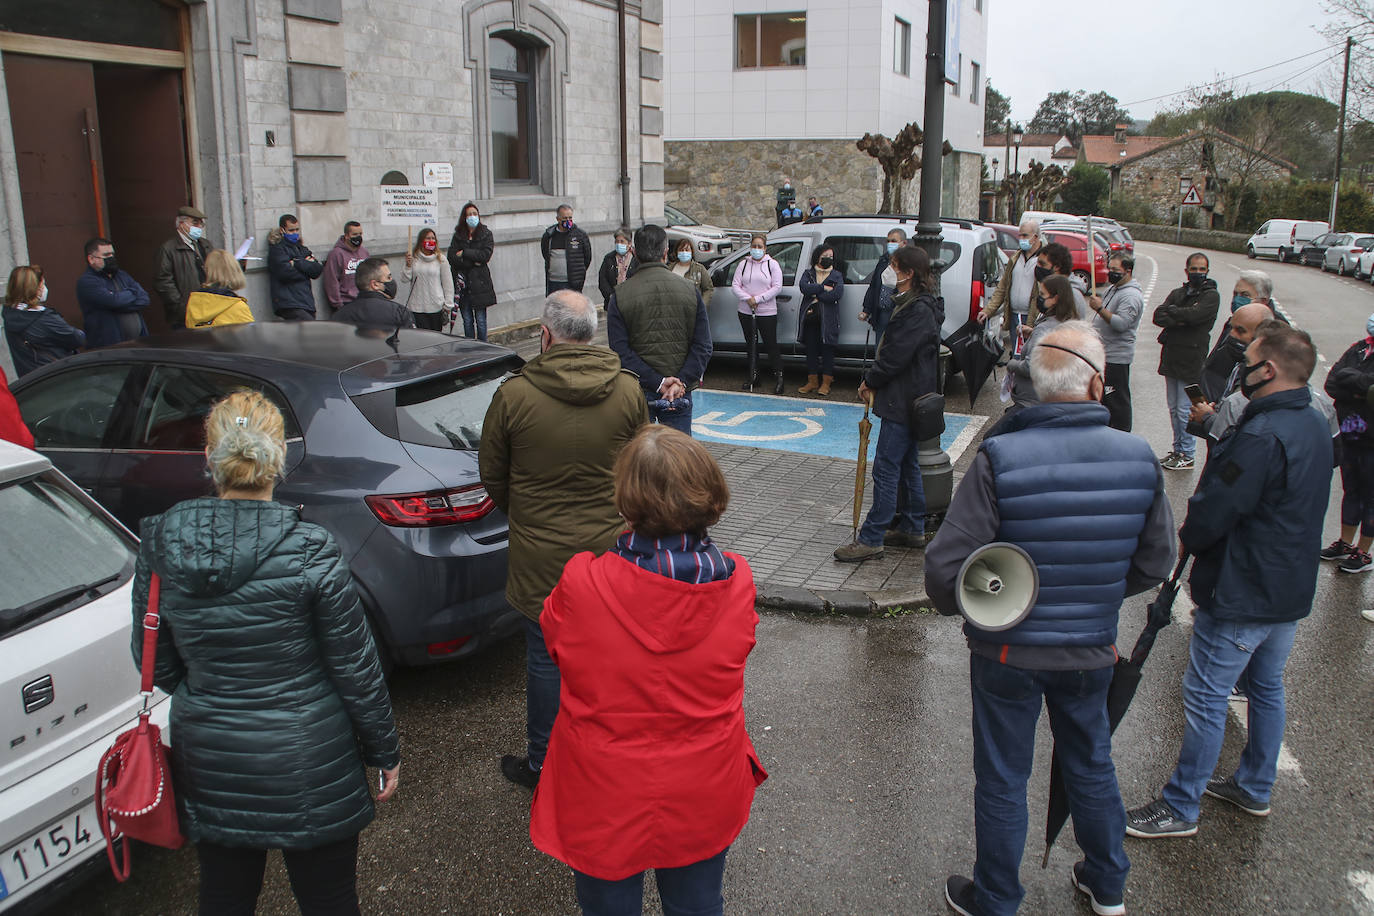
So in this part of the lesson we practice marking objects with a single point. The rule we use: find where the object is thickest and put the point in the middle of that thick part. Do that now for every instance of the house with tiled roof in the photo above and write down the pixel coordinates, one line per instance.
(1047, 148)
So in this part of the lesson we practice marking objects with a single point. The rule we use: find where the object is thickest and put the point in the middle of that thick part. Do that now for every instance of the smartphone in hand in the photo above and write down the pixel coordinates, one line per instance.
(1195, 394)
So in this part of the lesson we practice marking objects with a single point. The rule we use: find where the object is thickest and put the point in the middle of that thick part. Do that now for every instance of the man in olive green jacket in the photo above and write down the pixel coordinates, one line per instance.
(549, 443)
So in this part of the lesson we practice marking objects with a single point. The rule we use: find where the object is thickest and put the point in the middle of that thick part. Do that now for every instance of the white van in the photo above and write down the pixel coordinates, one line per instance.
(1284, 238)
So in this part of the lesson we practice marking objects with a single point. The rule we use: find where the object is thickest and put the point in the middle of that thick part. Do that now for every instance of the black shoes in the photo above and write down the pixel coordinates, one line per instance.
(777, 383)
(517, 770)
(1156, 820)
(1227, 790)
(1102, 904)
(959, 895)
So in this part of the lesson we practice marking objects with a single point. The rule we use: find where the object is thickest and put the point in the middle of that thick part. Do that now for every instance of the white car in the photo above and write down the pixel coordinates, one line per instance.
(1344, 256)
(67, 681)
(1284, 238)
(1364, 268)
(709, 243)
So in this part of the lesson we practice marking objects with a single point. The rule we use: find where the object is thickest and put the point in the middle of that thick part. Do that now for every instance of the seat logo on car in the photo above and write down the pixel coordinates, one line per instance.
(37, 694)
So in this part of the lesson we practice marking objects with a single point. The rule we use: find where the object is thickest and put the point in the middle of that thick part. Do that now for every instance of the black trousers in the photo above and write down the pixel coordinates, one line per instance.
(768, 330)
(324, 879)
(1117, 377)
(295, 315)
(430, 321)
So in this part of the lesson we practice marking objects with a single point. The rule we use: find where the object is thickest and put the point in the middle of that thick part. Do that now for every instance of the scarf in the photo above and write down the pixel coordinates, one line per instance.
(686, 558)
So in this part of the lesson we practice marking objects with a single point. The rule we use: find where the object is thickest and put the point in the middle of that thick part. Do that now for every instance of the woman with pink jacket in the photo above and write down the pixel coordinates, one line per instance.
(757, 284)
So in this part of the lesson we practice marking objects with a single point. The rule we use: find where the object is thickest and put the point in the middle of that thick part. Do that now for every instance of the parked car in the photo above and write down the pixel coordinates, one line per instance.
(1284, 238)
(709, 243)
(1313, 254)
(382, 436)
(1077, 243)
(972, 265)
(1008, 238)
(1365, 268)
(1344, 256)
(69, 684)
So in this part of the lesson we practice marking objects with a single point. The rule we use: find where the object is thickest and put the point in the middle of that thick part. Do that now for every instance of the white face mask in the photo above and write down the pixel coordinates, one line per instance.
(756, 253)
(43, 293)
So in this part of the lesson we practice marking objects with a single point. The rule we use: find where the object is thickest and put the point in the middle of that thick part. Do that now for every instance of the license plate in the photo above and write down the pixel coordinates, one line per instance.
(48, 849)
(725, 249)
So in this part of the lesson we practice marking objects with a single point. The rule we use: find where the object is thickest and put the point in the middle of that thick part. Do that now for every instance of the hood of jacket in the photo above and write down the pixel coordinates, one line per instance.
(208, 547)
(1207, 284)
(275, 235)
(574, 373)
(1132, 283)
(19, 321)
(665, 615)
(341, 244)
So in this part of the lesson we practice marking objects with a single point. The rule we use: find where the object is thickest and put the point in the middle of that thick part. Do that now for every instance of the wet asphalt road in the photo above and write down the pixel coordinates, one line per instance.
(864, 727)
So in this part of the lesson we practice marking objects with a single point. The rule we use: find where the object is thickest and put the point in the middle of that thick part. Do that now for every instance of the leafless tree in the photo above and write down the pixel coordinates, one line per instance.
(900, 159)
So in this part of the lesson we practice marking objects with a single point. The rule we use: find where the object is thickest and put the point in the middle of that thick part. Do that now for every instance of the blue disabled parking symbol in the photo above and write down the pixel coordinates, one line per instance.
(811, 426)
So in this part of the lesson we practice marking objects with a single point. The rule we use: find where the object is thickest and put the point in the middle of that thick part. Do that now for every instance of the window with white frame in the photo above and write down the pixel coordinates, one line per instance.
(901, 48)
(975, 80)
(770, 40)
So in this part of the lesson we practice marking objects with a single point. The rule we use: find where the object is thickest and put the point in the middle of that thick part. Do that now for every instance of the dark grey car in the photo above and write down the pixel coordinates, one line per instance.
(382, 437)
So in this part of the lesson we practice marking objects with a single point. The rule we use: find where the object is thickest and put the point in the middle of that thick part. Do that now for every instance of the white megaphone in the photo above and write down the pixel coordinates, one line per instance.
(997, 587)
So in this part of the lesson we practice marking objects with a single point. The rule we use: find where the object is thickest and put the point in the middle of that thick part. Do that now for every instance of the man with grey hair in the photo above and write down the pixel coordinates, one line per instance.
(1253, 288)
(1016, 291)
(549, 443)
(1087, 505)
(181, 264)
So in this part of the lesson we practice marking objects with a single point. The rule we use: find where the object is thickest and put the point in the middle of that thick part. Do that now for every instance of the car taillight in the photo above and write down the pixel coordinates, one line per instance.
(1116, 246)
(437, 507)
(447, 647)
(975, 299)
(1357, 251)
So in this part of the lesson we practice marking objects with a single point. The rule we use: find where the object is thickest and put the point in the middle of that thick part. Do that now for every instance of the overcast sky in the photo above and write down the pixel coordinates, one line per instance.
(1152, 48)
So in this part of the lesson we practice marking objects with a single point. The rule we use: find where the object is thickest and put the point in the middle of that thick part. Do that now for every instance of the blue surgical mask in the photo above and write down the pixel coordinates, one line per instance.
(621, 248)
(1239, 299)
(292, 237)
(756, 254)
(892, 247)
(1369, 326)
(472, 221)
(1024, 244)
(194, 233)
(684, 256)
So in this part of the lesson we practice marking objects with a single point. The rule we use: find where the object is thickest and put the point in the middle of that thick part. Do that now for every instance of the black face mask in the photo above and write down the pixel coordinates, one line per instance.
(1248, 389)
(1041, 273)
(1196, 280)
(826, 262)
(389, 289)
(1114, 276)
(1236, 348)
(355, 240)
(111, 266)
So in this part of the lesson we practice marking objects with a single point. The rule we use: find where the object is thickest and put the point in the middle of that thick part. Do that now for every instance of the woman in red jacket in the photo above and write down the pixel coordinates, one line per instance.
(649, 764)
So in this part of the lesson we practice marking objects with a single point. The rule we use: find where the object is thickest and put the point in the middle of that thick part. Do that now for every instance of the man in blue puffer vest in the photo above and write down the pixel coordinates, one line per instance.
(1255, 526)
(1087, 503)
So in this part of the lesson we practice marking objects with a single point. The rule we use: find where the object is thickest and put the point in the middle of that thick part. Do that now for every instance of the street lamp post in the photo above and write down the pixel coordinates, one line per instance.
(1017, 136)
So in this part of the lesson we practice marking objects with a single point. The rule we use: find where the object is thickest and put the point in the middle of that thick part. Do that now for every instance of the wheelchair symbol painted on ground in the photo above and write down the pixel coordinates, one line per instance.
(715, 423)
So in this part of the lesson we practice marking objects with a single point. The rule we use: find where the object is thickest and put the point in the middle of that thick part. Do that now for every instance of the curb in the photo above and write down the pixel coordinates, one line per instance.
(846, 602)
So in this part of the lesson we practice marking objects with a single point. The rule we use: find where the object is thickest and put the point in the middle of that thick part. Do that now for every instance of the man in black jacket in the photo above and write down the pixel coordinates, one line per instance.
(1254, 526)
(658, 327)
(375, 308)
(1186, 316)
(290, 268)
(567, 254)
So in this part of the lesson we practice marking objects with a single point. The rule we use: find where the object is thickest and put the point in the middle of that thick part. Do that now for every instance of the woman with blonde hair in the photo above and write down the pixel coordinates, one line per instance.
(218, 302)
(279, 702)
(649, 763)
(36, 334)
(431, 282)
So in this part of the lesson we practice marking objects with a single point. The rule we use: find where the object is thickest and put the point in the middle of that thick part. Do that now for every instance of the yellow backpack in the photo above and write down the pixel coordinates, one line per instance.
(208, 310)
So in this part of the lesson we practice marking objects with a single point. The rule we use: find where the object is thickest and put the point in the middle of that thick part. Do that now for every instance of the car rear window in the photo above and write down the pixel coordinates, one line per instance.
(447, 412)
(57, 549)
(1364, 241)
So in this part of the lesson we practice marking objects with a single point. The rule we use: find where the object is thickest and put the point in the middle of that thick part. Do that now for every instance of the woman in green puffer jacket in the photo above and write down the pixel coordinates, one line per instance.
(278, 699)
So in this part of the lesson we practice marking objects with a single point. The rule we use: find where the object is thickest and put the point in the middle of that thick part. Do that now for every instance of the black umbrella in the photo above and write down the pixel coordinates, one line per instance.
(753, 367)
(1125, 680)
(974, 355)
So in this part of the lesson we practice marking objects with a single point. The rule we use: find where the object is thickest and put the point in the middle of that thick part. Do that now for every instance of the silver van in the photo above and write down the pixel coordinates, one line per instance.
(972, 266)
(1284, 238)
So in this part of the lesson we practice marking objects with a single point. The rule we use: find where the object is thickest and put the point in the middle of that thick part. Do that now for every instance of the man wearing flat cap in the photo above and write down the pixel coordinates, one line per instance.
(181, 264)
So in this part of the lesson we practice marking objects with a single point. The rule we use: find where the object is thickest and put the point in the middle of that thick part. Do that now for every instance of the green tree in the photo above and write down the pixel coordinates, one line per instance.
(996, 111)
(1078, 113)
(1088, 184)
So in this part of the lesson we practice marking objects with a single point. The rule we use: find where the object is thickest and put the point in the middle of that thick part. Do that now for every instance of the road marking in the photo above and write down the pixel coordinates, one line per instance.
(1154, 278)
(1278, 308)
(1287, 764)
(1363, 883)
(716, 418)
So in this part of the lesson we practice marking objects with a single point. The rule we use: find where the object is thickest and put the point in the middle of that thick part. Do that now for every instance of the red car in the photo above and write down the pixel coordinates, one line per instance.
(1077, 243)
(1008, 237)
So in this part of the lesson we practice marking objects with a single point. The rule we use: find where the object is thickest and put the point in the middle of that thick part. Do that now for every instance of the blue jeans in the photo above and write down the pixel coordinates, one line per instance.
(541, 694)
(1179, 407)
(895, 461)
(680, 419)
(1006, 708)
(1219, 652)
(474, 322)
(692, 890)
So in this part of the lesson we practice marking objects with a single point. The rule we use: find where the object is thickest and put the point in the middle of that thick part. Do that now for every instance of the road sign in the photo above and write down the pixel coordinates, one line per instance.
(1184, 184)
(1192, 197)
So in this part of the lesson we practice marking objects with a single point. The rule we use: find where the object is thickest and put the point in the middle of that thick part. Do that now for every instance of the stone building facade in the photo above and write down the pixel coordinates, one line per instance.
(740, 121)
(256, 108)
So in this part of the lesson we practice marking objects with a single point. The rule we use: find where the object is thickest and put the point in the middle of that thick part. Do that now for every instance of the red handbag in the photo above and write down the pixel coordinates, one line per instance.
(133, 786)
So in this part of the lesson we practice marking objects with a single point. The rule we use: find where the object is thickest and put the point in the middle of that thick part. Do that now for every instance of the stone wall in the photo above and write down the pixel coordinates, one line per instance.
(1154, 179)
(1210, 239)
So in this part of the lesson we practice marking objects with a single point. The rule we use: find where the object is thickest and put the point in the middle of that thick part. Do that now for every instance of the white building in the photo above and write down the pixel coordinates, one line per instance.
(113, 115)
(753, 97)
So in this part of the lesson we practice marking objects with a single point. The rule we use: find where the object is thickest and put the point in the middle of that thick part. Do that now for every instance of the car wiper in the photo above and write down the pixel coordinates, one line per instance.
(13, 616)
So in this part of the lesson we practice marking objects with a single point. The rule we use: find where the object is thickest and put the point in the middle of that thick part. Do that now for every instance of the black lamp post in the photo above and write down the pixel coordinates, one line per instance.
(1016, 137)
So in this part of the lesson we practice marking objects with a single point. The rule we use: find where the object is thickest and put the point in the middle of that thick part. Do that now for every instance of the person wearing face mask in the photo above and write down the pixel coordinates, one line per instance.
(1186, 317)
(618, 266)
(375, 307)
(787, 196)
(1017, 289)
(1349, 384)
(904, 368)
(431, 282)
(877, 308)
(469, 256)
(111, 301)
(36, 334)
(1254, 529)
(1116, 316)
(567, 253)
(181, 264)
(686, 266)
(1203, 419)
(790, 214)
(821, 286)
(290, 268)
(340, 268)
(1058, 310)
(758, 280)
(1252, 286)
